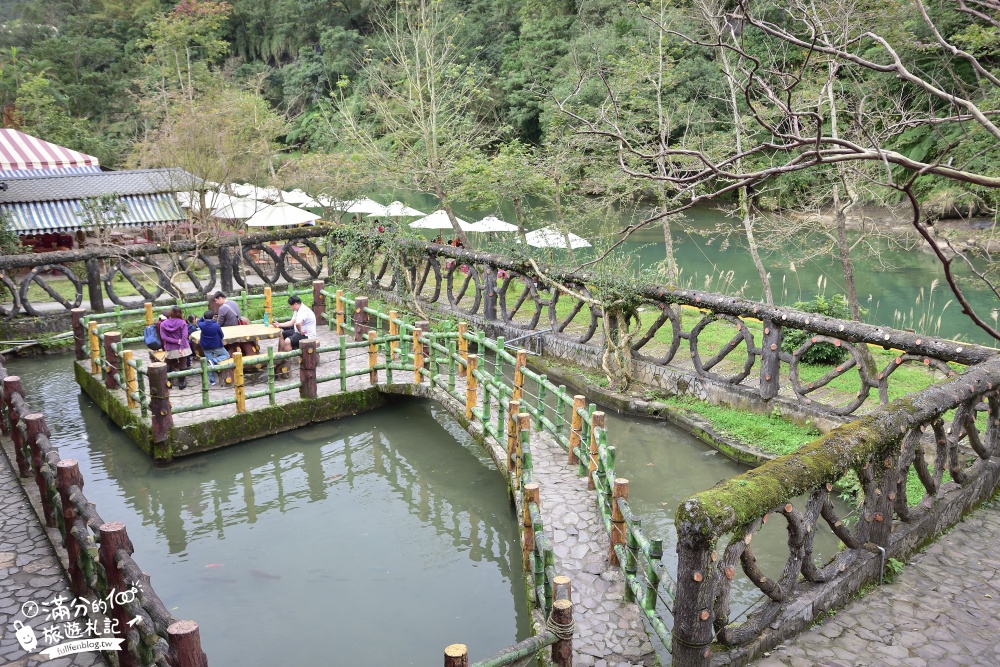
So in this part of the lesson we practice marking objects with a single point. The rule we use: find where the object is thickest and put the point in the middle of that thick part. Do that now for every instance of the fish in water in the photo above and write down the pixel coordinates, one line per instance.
(261, 574)
(211, 565)
(334, 478)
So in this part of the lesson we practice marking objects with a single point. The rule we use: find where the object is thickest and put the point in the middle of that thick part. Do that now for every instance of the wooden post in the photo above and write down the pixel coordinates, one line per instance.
(79, 333)
(111, 339)
(425, 327)
(513, 436)
(372, 357)
(770, 360)
(319, 300)
(241, 397)
(519, 364)
(340, 312)
(131, 386)
(159, 402)
(393, 331)
(618, 526)
(575, 424)
(463, 348)
(360, 318)
(35, 426)
(562, 619)
(563, 587)
(268, 306)
(597, 421)
(307, 371)
(225, 269)
(456, 655)
(185, 645)
(95, 352)
(11, 386)
(529, 494)
(150, 318)
(114, 538)
(418, 356)
(471, 384)
(67, 476)
(490, 293)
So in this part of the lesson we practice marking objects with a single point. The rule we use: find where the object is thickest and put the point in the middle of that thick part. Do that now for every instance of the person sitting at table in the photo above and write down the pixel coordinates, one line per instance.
(176, 349)
(227, 312)
(301, 326)
(211, 342)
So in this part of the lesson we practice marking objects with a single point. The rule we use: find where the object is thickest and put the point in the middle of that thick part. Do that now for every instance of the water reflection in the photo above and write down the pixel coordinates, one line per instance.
(378, 538)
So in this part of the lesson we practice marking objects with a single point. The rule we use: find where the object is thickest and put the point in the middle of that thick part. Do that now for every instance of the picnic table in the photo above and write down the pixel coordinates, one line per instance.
(244, 338)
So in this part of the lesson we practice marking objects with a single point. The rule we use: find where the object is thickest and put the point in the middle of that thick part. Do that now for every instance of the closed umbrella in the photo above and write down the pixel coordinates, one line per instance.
(439, 220)
(281, 215)
(491, 223)
(549, 237)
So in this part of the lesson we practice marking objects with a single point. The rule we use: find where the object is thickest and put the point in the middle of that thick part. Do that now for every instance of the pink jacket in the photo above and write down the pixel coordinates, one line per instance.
(174, 334)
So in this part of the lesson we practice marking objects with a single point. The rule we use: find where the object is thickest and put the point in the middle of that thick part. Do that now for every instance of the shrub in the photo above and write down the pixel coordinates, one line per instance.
(820, 353)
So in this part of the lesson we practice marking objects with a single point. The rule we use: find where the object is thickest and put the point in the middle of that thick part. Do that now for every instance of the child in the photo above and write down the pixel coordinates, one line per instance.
(211, 342)
(177, 350)
(192, 324)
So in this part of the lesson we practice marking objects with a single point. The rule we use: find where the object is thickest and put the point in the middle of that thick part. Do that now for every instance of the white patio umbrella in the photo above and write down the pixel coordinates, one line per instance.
(281, 215)
(396, 209)
(439, 220)
(549, 237)
(237, 208)
(299, 198)
(362, 205)
(491, 223)
(216, 201)
(243, 189)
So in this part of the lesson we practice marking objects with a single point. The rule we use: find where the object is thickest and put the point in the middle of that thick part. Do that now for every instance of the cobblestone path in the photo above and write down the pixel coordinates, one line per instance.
(943, 610)
(29, 570)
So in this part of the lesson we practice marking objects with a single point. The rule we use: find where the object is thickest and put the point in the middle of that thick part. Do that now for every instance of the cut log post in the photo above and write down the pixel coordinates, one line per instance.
(95, 351)
(269, 306)
(563, 587)
(597, 422)
(94, 292)
(372, 358)
(34, 427)
(618, 526)
(340, 312)
(225, 256)
(238, 385)
(319, 300)
(529, 494)
(393, 331)
(111, 340)
(79, 333)
(456, 655)
(360, 318)
(131, 385)
(68, 475)
(770, 360)
(519, 364)
(184, 639)
(562, 621)
(307, 371)
(513, 437)
(490, 293)
(575, 425)
(159, 402)
(471, 385)
(418, 355)
(114, 538)
(11, 386)
(463, 348)
(425, 327)
(148, 313)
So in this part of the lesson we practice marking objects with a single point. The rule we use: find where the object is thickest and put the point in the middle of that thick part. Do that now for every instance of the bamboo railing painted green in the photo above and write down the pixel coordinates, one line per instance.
(99, 553)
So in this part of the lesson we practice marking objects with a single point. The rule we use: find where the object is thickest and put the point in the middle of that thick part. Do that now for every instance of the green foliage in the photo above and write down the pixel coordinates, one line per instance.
(10, 242)
(893, 568)
(820, 353)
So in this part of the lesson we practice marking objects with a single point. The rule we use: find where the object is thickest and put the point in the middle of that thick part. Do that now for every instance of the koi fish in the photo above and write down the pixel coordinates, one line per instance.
(211, 565)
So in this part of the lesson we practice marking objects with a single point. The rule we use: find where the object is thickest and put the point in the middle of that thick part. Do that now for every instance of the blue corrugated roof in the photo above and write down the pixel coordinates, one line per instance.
(9, 173)
(68, 215)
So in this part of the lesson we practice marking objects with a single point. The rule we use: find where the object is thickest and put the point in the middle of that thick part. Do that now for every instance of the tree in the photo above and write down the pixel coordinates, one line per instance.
(422, 107)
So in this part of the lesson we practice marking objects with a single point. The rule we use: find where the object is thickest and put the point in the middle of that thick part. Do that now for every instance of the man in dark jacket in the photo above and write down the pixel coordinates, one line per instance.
(227, 312)
(211, 342)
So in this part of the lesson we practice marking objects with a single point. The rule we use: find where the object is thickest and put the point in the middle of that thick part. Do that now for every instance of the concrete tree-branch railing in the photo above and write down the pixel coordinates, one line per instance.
(881, 448)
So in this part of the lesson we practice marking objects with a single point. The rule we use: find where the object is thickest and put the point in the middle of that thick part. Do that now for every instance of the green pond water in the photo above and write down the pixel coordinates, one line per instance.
(377, 539)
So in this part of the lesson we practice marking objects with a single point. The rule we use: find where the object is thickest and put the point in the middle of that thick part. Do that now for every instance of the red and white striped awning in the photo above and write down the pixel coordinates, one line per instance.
(23, 151)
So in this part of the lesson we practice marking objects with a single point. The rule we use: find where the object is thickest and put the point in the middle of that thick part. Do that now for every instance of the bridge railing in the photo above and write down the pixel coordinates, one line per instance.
(921, 462)
(99, 553)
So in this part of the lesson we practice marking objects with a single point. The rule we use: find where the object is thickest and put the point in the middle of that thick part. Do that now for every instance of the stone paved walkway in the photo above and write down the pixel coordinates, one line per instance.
(943, 610)
(29, 570)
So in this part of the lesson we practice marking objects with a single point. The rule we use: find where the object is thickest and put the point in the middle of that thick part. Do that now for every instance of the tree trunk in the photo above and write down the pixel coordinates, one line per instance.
(844, 250)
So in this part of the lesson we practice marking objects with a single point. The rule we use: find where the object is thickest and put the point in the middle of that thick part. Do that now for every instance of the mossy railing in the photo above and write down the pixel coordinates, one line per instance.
(99, 553)
(905, 446)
